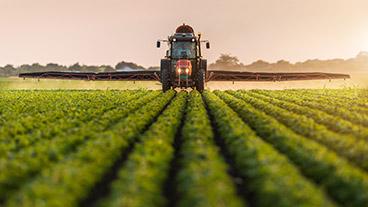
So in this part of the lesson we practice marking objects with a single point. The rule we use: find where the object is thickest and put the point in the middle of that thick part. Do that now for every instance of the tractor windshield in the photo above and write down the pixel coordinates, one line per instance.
(183, 50)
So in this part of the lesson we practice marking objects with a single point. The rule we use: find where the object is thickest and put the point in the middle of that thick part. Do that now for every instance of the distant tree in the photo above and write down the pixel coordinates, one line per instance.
(258, 65)
(362, 54)
(282, 65)
(226, 61)
(154, 68)
(122, 65)
(36, 66)
(52, 65)
(25, 68)
(8, 70)
(55, 67)
(282, 62)
(75, 67)
(107, 68)
(90, 68)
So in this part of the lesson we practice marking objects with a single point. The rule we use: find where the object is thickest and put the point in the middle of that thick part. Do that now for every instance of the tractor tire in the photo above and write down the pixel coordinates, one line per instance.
(165, 75)
(201, 77)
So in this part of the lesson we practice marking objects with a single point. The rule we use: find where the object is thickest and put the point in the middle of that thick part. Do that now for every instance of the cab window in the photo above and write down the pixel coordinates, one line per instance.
(183, 50)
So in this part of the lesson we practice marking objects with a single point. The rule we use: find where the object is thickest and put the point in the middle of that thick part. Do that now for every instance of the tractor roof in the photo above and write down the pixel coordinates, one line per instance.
(184, 29)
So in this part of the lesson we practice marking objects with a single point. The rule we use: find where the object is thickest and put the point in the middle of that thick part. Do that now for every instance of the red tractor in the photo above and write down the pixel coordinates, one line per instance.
(183, 66)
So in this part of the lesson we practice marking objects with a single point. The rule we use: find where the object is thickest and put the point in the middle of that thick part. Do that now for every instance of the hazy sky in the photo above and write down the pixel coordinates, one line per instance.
(108, 31)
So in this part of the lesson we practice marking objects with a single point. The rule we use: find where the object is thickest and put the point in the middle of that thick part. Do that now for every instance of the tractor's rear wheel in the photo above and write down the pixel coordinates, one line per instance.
(201, 77)
(165, 75)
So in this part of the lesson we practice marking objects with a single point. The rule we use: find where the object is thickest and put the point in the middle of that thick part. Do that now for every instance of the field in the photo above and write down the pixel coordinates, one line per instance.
(256, 148)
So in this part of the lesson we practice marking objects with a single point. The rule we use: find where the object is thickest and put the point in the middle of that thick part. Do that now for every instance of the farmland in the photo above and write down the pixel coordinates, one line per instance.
(256, 148)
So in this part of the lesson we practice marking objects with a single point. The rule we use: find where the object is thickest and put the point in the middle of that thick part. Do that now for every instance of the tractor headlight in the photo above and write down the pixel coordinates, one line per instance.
(187, 70)
(179, 70)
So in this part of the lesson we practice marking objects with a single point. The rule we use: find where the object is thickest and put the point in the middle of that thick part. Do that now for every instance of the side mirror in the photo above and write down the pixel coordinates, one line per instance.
(167, 53)
(158, 44)
(207, 45)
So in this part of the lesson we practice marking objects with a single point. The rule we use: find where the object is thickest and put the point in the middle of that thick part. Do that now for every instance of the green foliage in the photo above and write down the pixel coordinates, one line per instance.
(269, 175)
(202, 176)
(347, 184)
(345, 145)
(331, 121)
(72, 177)
(140, 180)
(286, 148)
(32, 158)
(330, 107)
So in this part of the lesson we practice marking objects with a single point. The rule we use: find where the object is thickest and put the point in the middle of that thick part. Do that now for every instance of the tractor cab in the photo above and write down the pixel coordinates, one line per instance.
(183, 65)
(184, 45)
(183, 50)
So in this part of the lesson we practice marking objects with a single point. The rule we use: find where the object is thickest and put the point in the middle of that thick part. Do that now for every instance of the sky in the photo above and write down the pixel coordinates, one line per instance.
(97, 32)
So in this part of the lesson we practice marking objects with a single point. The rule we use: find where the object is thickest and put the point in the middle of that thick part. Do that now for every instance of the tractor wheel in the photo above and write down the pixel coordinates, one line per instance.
(165, 75)
(201, 77)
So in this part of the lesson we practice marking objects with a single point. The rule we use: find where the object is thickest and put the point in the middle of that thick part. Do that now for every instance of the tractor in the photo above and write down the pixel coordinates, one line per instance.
(183, 66)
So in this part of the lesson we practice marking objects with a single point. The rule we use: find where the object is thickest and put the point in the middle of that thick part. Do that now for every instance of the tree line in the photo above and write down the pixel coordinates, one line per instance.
(10, 70)
(224, 62)
(356, 64)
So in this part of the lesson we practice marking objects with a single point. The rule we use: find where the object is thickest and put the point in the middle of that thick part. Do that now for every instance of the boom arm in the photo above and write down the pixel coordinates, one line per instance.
(212, 75)
(124, 75)
(222, 75)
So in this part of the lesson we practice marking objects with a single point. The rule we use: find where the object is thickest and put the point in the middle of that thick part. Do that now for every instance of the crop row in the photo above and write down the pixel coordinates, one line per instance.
(140, 181)
(74, 176)
(66, 118)
(148, 148)
(19, 105)
(352, 96)
(269, 175)
(21, 116)
(330, 108)
(18, 167)
(357, 104)
(348, 146)
(200, 163)
(345, 183)
(332, 122)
